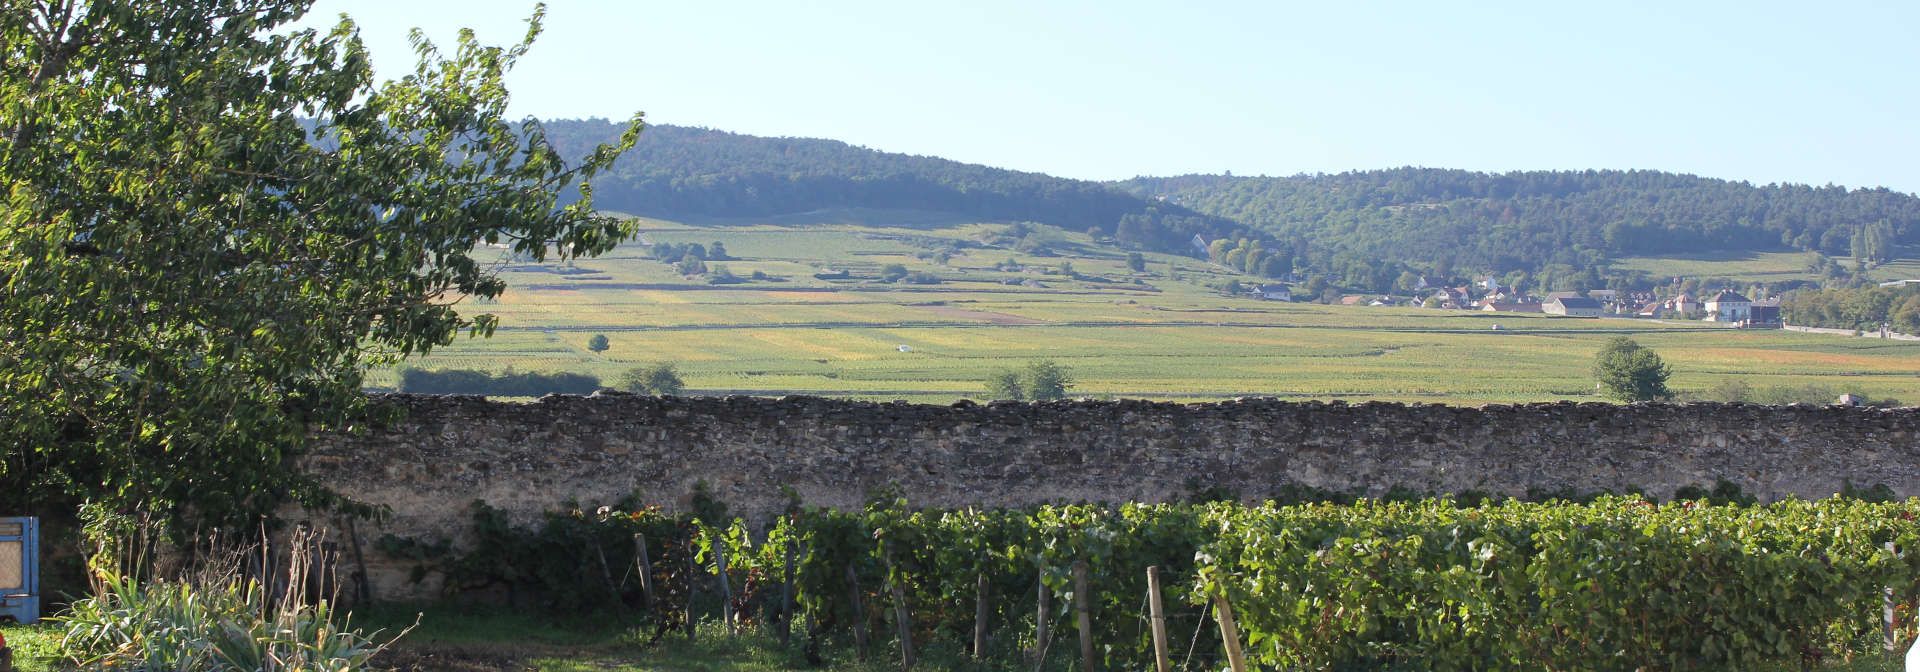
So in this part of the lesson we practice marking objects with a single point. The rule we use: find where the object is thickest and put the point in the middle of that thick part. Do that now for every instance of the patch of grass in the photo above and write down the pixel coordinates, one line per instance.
(35, 647)
(470, 640)
(466, 639)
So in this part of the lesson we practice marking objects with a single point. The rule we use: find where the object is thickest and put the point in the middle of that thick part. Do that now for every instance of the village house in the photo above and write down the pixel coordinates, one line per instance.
(1571, 306)
(1683, 304)
(1765, 312)
(1452, 298)
(1728, 306)
(1275, 292)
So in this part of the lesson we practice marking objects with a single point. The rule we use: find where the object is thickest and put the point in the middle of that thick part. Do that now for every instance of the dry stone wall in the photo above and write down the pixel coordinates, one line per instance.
(447, 452)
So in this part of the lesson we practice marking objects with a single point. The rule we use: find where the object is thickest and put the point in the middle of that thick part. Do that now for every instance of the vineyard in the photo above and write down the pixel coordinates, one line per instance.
(1614, 584)
(1166, 332)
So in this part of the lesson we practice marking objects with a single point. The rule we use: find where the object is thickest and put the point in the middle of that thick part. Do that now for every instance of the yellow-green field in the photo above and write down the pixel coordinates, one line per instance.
(1756, 267)
(1160, 334)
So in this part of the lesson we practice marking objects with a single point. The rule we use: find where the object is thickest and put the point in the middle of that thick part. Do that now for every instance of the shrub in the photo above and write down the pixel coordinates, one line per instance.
(1629, 372)
(1047, 381)
(659, 379)
(215, 620)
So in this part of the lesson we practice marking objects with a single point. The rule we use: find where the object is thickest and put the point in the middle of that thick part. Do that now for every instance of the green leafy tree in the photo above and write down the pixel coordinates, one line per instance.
(1005, 384)
(218, 223)
(691, 264)
(893, 272)
(1136, 262)
(599, 343)
(1047, 381)
(661, 379)
(1218, 249)
(1629, 372)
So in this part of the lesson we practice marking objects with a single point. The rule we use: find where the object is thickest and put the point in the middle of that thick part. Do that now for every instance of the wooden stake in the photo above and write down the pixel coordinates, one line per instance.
(362, 593)
(1040, 622)
(646, 569)
(1084, 611)
(693, 586)
(726, 590)
(786, 597)
(1158, 614)
(859, 615)
(980, 616)
(1229, 633)
(1889, 630)
(903, 623)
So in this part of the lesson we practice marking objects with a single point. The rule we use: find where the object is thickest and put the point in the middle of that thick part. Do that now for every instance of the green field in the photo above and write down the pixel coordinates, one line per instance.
(1756, 267)
(1160, 334)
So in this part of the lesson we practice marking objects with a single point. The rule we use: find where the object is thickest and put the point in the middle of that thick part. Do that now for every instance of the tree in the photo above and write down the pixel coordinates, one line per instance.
(598, 343)
(718, 251)
(1236, 258)
(1005, 384)
(1407, 282)
(1047, 381)
(1277, 266)
(1136, 262)
(1629, 372)
(219, 223)
(893, 272)
(691, 264)
(661, 379)
(1218, 249)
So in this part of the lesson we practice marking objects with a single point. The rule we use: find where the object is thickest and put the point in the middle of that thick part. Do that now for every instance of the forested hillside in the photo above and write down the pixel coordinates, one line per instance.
(1362, 230)
(1528, 220)
(682, 172)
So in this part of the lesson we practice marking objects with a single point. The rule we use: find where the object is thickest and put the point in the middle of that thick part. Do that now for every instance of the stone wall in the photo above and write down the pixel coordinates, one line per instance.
(529, 458)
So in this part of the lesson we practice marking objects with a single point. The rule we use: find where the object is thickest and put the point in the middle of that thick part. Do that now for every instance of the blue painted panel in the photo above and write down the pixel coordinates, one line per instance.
(21, 602)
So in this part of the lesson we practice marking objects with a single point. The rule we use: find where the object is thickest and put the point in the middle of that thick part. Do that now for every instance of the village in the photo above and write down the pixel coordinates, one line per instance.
(1725, 306)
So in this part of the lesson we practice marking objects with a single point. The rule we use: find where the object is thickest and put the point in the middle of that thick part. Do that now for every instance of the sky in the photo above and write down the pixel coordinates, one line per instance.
(1816, 93)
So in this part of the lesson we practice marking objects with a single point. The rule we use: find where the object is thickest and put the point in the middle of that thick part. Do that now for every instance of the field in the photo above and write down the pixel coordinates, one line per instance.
(1757, 266)
(1165, 333)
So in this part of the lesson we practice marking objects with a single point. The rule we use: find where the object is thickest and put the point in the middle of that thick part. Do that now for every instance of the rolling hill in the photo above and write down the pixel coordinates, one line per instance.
(1362, 230)
(1527, 220)
(679, 172)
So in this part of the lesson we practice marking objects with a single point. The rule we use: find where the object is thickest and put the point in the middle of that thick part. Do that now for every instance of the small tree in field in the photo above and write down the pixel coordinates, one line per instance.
(1629, 372)
(1005, 384)
(598, 343)
(1047, 381)
(660, 380)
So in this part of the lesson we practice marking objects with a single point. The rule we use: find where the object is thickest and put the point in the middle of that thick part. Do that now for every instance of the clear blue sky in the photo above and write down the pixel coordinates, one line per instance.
(1761, 91)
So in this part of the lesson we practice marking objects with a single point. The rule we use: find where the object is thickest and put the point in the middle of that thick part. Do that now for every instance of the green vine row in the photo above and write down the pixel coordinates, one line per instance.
(1616, 583)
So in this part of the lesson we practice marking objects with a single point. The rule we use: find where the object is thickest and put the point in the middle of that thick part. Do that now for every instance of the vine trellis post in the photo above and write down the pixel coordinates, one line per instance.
(859, 614)
(980, 616)
(1040, 622)
(1158, 615)
(1229, 633)
(646, 570)
(1083, 612)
